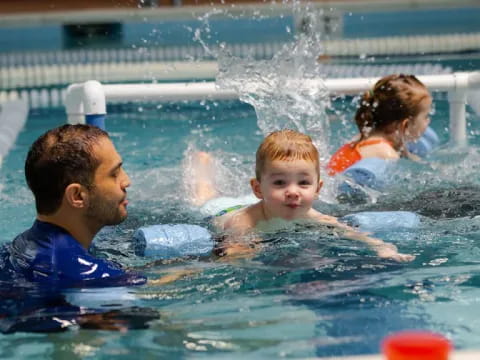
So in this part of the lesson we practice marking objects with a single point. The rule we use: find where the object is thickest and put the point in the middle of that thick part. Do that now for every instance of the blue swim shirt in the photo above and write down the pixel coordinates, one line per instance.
(46, 253)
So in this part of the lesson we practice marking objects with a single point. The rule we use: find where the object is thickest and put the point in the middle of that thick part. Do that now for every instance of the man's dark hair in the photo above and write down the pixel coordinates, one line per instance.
(58, 158)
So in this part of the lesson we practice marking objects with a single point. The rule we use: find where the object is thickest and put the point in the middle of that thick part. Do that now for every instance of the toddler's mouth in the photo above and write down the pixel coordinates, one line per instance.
(293, 206)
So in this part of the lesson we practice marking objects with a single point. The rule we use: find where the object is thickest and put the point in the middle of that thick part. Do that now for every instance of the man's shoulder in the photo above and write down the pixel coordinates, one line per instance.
(48, 253)
(39, 232)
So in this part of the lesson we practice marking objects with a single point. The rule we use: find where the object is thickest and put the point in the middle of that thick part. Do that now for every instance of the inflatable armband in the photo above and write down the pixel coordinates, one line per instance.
(167, 241)
(425, 144)
(372, 173)
(372, 221)
(366, 173)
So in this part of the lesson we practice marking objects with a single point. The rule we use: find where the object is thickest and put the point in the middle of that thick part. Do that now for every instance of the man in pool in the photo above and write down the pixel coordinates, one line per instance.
(79, 186)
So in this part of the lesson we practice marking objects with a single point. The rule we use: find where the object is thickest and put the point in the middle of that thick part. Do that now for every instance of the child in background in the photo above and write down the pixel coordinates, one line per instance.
(287, 182)
(394, 112)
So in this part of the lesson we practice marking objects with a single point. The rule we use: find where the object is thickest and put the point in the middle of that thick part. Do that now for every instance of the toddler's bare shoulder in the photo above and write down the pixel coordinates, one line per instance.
(240, 220)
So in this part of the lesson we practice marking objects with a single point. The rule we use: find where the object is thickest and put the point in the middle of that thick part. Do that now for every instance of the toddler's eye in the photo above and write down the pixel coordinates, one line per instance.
(304, 183)
(278, 182)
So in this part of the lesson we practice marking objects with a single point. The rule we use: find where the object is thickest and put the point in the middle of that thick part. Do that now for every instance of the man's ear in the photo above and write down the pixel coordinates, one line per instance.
(255, 185)
(76, 196)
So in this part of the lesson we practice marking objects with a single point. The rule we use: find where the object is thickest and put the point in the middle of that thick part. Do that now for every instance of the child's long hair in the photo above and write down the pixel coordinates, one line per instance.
(392, 99)
(287, 145)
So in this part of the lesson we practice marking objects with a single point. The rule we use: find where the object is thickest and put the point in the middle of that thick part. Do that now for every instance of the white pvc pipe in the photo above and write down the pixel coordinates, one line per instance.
(457, 99)
(353, 86)
(74, 104)
(91, 97)
(196, 91)
(167, 92)
(94, 101)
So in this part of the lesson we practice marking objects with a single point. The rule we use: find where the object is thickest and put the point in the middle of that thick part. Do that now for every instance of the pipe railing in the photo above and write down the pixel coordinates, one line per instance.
(86, 102)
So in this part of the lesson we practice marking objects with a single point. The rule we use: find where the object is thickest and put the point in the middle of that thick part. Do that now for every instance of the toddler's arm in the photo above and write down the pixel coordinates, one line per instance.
(238, 239)
(233, 245)
(383, 249)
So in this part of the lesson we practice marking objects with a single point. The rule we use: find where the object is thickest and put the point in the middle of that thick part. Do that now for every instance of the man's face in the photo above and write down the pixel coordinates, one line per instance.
(108, 197)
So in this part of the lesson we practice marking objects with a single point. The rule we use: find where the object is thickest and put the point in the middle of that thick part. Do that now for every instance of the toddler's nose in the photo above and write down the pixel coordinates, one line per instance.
(292, 192)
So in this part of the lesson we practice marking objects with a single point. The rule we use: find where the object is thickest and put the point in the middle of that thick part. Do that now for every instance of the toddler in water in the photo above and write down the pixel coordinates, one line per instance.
(394, 112)
(287, 182)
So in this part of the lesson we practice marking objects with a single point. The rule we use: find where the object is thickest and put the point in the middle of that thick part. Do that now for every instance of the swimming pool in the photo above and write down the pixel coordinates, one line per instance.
(307, 294)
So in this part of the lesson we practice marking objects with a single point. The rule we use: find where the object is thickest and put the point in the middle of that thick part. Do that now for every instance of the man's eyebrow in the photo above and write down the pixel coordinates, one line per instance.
(116, 167)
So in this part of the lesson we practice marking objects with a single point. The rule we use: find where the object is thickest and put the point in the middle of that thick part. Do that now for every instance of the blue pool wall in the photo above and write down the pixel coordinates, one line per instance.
(411, 22)
(265, 29)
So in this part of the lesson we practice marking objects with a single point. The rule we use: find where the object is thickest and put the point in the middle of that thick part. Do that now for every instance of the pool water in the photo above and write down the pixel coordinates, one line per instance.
(305, 294)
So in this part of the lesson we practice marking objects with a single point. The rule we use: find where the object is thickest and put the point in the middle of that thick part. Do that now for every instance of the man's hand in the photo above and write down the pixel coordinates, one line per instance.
(173, 276)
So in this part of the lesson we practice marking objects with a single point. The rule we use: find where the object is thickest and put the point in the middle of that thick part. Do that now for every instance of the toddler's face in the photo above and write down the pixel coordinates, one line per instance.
(288, 188)
(417, 126)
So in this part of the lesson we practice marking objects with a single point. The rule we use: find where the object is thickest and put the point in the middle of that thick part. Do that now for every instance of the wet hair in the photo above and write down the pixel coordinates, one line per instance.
(393, 98)
(286, 145)
(58, 158)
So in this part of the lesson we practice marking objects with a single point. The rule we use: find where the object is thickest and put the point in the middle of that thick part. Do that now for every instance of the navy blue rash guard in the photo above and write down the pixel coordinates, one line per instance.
(47, 253)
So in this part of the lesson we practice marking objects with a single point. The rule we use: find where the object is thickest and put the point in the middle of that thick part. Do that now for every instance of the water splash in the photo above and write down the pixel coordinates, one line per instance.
(284, 91)
(278, 89)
